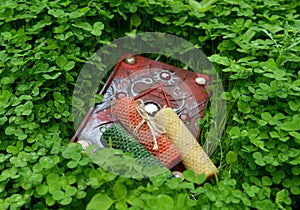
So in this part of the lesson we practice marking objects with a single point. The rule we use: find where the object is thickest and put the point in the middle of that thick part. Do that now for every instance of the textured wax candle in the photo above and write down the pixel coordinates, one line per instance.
(193, 156)
(132, 116)
(121, 139)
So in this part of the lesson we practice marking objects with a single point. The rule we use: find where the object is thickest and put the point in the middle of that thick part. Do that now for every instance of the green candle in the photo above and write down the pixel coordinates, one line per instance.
(119, 138)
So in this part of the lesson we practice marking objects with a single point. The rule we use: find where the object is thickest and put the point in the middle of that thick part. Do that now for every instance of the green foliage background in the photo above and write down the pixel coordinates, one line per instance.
(254, 46)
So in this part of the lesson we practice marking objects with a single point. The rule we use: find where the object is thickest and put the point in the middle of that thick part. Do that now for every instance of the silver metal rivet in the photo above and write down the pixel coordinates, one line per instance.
(200, 80)
(151, 108)
(178, 174)
(84, 144)
(130, 60)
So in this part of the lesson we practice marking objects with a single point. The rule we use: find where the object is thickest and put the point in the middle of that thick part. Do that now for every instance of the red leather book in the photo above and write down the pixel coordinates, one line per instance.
(157, 84)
